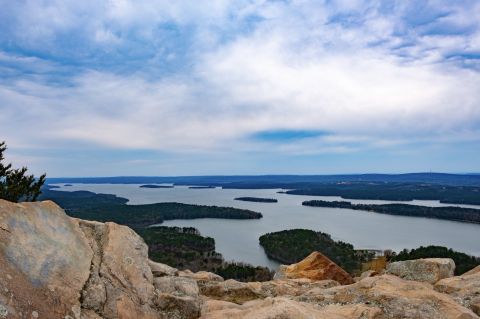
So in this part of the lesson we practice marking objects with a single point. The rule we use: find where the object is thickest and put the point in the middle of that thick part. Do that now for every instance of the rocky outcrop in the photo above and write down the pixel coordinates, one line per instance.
(273, 308)
(45, 261)
(366, 274)
(395, 297)
(317, 267)
(200, 276)
(428, 270)
(377, 297)
(159, 270)
(241, 292)
(465, 289)
(53, 266)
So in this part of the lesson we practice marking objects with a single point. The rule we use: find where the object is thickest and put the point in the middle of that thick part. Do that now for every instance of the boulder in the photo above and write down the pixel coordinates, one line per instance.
(465, 289)
(475, 270)
(396, 298)
(229, 290)
(53, 266)
(159, 270)
(289, 287)
(211, 305)
(316, 267)
(44, 260)
(366, 274)
(428, 270)
(177, 286)
(177, 297)
(274, 308)
(241, 292)
(200, 276)
(121, 281)
(174, 306)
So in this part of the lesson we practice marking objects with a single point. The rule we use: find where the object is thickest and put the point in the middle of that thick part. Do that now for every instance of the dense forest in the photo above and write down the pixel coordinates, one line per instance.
(463, 262)
(105, 207)
(291, 246)
(185, 248)
(257, 199)
(468, 215)
(395, 191)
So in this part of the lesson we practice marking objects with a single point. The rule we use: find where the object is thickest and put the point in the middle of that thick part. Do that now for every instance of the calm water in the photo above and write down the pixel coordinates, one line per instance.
(238, 239)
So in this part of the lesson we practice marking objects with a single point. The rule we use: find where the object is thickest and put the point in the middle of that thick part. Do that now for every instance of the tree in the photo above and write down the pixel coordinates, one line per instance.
(15, 184)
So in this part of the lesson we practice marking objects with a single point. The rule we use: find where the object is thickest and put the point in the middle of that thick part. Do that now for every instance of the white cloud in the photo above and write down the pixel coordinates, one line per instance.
(296, 69)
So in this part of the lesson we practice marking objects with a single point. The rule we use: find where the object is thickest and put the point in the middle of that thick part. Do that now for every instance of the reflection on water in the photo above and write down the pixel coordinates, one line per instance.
(238, 239)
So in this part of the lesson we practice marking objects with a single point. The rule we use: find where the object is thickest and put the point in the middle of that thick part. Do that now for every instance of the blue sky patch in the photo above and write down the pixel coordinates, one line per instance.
(287, 135)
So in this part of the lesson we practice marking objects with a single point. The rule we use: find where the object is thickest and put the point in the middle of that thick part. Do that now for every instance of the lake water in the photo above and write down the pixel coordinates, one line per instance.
(238, 239)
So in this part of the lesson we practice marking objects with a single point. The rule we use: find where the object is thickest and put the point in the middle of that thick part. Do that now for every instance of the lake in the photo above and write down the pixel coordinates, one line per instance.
(238, 239)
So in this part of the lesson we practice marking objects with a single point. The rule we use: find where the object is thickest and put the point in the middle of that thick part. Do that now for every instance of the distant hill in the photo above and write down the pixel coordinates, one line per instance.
(281, 181)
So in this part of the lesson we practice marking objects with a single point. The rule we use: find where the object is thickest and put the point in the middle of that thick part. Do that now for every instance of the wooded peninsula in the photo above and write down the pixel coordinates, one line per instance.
(453, 213)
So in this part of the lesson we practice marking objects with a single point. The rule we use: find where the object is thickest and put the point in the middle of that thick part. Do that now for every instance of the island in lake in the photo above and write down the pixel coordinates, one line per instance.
(111, 208)
(257, 199)
(201, 187)
(468, 215)
(291, 246)
(156, 186)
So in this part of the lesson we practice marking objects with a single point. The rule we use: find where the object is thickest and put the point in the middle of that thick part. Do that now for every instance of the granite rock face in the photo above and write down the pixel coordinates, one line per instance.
(280, 307)
(428, 270)
(465, 289)
(394, 296)
(316, 267)
(45, 261)
(53, 266)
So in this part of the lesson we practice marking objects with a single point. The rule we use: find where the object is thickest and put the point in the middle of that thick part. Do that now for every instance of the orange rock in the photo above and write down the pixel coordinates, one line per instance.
(315, 267)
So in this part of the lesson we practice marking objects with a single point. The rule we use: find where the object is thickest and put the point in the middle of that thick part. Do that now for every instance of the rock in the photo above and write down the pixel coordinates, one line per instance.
(289, 287)
(181, 307)
(465, 289)
(177, 286)
(316, 267)
(47, 257)
(121, 281)
(3, 311)
(201, 275)
(475, 270)
(273, 308)
(428, 270)
(241, 292)
(396, 298)
(211, 305)
(229, 290)
(368, 273)
(159, 270)
(54, 266)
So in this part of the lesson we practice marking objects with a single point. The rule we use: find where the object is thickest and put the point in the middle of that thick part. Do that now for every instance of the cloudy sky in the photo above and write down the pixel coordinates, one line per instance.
(161, 87)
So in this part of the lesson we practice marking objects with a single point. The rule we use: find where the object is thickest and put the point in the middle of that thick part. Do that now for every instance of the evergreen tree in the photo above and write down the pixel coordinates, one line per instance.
(15, 184)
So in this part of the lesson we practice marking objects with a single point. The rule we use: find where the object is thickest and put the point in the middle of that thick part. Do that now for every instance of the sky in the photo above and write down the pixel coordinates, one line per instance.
(159, 87)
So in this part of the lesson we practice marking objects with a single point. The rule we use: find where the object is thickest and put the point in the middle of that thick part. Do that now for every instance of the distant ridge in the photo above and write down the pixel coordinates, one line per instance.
(472, 179)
